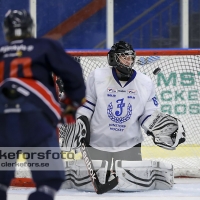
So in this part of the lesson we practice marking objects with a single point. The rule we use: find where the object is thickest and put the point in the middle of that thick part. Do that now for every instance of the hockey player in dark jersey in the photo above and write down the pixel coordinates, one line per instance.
(29, 109)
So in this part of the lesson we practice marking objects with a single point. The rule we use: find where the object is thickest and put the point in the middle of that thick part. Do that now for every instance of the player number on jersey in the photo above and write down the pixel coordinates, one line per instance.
(155, 101)
(14, 67)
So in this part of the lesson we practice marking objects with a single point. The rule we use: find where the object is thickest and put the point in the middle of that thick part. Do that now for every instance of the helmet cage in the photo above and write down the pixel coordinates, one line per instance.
(122, 57)
(125, 59)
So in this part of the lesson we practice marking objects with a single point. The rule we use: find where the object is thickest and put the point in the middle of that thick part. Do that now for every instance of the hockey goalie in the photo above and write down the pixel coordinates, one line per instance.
(121, 101)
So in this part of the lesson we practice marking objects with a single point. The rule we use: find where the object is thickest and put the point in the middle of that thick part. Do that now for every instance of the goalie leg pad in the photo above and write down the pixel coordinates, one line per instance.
(77, 175)
(144, 175)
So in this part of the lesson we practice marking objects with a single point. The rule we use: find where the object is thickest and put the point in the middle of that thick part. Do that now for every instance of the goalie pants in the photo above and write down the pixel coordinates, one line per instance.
(30, 129)
(132, 154)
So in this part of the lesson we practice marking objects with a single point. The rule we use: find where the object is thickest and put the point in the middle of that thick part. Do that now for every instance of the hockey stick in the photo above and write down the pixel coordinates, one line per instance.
(60, 84)
(98, 187)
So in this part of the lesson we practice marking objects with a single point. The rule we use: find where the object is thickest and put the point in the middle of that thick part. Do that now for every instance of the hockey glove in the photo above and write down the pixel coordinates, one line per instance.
(69, 109)
(68, 106)
(166, 131)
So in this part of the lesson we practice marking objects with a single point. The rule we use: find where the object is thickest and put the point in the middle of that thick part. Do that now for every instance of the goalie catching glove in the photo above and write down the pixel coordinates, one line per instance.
(167, 131)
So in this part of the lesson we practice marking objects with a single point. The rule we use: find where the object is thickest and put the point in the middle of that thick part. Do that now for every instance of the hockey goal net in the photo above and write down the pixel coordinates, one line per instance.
(177, 89)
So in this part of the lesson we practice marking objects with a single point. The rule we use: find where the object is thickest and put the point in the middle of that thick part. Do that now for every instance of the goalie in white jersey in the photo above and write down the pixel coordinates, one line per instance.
(121, 100)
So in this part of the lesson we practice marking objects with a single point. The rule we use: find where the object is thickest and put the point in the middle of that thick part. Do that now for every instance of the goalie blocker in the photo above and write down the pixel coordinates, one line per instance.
(70, 135)
(167, 131)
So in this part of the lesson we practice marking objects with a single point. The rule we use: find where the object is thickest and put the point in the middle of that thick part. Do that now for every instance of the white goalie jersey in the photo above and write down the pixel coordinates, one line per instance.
(116, 110)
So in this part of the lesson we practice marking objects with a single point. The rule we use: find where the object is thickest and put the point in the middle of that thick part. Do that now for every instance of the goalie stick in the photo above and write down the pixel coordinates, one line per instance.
(99, 188)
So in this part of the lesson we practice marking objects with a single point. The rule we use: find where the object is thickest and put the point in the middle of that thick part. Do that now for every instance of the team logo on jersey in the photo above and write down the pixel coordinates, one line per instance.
(111, 90)
(132, 91)
(118, 113)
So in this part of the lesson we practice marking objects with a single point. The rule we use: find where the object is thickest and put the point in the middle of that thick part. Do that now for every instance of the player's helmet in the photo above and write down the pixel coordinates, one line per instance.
(18, 24)
(122, 57)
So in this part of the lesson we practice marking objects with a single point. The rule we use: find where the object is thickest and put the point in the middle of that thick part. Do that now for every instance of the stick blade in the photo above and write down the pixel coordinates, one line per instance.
(103, 188)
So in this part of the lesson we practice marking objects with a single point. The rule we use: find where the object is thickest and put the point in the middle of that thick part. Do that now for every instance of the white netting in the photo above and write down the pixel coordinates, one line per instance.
(177, 88)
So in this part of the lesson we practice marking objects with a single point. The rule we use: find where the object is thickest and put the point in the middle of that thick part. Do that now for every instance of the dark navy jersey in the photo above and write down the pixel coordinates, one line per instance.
(31, 62)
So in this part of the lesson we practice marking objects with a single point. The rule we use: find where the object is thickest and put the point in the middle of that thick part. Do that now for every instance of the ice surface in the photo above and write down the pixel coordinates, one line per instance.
(184, 189)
